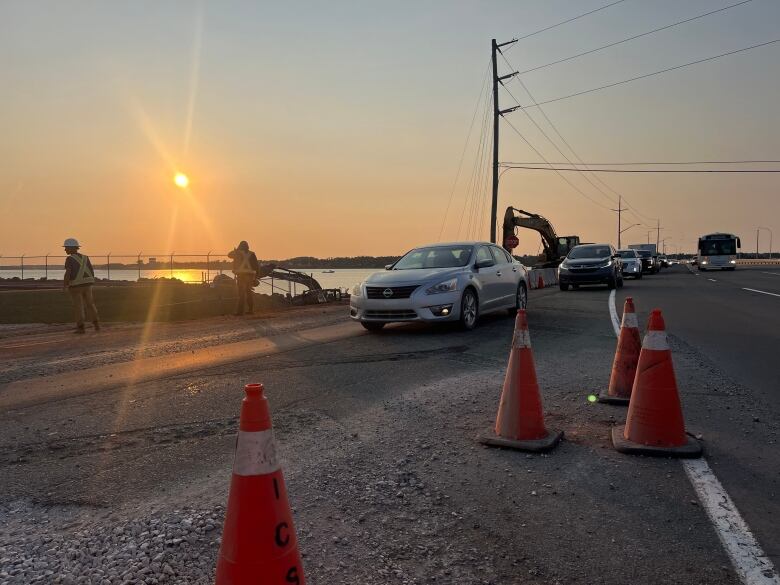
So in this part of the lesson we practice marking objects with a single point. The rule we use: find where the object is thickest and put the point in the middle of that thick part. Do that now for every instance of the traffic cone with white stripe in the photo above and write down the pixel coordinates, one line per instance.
(655, 425)
(258, 541)
(520, 421)
(626, 358)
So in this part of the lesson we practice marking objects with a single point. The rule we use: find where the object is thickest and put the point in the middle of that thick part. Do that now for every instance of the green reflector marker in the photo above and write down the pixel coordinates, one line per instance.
(592, 398)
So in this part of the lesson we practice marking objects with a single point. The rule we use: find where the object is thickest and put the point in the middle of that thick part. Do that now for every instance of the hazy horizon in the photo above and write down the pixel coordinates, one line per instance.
(336, 129)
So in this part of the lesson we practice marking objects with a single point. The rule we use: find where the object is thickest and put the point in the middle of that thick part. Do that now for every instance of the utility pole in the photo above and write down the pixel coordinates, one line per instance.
(495, 49)
(658, 234)
(620, 211)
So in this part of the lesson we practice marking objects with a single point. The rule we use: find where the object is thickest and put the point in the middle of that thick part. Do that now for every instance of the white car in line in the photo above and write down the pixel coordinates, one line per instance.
(442, 282)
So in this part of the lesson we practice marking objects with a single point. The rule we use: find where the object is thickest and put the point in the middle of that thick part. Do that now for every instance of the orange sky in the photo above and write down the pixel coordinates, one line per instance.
(347, 140)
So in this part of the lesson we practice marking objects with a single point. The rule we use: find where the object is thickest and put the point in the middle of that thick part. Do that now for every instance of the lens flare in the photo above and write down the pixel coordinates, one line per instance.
(181, 180)
(592, 398)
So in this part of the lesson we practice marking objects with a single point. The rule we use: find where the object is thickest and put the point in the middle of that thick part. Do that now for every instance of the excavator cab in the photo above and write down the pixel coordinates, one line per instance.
(555, 247)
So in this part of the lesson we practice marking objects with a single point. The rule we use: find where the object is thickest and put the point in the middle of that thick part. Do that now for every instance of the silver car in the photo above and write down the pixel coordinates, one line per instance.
(632, 263)
(442, 282)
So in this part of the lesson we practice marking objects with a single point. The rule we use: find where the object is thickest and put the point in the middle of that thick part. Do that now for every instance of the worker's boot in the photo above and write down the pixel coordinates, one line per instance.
(79, 329)
(96, 324)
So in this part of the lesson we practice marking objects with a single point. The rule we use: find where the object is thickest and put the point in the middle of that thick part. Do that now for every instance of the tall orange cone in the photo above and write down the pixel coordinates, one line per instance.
(520, 421)
(626, 358)
(259, 545)
(540, 282)
(655, 424)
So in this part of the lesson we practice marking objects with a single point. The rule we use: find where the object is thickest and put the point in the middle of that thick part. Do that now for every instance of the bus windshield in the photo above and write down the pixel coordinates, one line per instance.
(724, 247)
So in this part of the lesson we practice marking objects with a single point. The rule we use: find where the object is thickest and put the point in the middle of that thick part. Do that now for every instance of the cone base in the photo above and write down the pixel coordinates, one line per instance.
(605, 398)
(691, 449)
(531, 445)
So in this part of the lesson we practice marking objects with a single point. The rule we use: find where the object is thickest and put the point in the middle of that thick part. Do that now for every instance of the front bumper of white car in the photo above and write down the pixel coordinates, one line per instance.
(417, 307)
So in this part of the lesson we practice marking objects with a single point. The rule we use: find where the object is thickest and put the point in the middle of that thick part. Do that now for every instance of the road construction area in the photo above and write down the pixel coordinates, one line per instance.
(118, 446)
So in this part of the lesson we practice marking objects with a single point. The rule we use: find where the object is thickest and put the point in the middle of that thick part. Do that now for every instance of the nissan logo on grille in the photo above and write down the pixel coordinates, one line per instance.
(387, 293)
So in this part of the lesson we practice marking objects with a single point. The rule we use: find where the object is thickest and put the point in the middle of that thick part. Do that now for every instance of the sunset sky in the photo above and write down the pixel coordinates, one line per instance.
(336, 128)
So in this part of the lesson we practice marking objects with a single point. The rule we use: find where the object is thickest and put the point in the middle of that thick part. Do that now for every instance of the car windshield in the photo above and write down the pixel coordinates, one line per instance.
(627, 254)
(718, 247)
(644, 253)
(589, 252)
(435, 257)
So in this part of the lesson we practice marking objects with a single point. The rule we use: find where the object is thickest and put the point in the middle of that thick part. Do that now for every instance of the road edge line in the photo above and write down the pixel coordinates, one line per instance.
(748, 558)
(763, 292)
(613, 313)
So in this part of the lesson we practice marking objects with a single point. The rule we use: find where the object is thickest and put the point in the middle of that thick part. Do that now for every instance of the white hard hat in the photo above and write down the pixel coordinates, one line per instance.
(71, 243)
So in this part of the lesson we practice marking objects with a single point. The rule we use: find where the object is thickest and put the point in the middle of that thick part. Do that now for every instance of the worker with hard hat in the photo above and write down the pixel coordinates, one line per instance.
(78, 281)
(247, 270)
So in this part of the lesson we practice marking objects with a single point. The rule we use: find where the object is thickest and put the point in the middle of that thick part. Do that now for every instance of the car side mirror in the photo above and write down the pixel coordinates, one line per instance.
(388, 266)
(483, 264)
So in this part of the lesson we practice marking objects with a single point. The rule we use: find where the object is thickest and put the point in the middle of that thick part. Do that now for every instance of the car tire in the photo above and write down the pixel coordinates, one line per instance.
(372, 326)
(469, 309)
(563, 286)
(521, 299)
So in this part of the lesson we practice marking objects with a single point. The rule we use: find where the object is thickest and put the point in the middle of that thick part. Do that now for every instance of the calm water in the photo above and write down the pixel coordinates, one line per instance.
(341, 278)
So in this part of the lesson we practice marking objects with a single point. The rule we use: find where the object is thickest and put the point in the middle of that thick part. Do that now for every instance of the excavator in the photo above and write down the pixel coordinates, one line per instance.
(555, 247)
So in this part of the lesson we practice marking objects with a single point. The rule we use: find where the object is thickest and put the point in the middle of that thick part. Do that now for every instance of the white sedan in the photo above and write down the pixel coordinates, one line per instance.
(442, 282)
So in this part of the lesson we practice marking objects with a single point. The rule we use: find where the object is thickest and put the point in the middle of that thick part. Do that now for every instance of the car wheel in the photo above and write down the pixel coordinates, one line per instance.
(372, 326)
(521, 299)
(563, 286)
(611, 283)
(469, 309)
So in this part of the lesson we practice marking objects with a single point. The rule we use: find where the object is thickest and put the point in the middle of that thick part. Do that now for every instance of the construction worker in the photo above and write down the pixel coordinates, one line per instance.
(78, 280)
(247, 270)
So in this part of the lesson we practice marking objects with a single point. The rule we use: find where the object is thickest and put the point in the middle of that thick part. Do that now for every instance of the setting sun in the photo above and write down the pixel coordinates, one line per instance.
(181, 180)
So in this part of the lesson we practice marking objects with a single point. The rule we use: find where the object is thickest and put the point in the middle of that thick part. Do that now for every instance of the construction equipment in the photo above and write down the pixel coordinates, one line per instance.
(555, 247)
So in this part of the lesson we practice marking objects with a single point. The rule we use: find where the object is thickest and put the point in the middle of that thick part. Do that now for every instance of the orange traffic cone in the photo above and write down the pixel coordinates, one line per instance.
(258, 541)
(520, 422)
(540, 282)
(626, 358)
(655, 424)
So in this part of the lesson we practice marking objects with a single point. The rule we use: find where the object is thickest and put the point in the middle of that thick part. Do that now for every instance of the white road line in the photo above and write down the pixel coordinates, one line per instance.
(712, 280)
(749, 560)
(613, 313)
(772, 273)
(763, 292)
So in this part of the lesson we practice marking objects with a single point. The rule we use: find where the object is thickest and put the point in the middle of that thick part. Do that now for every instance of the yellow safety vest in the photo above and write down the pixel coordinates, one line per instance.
(244, 266)
(83, 276)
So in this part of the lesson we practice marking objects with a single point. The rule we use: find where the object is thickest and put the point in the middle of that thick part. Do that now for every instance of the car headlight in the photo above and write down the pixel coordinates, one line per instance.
(357, 290)
(732, 261)
(703, 261)
(443, 287)
(606, 264)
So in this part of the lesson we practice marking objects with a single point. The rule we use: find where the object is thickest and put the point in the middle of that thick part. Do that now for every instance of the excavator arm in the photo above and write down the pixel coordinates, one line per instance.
(555, 247)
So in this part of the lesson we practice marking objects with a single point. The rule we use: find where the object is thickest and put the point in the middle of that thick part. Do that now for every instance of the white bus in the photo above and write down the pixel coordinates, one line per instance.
(718, 252)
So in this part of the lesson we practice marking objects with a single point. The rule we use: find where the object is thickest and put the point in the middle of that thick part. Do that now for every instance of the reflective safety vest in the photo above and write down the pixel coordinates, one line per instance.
(244, 265)
(83, 276)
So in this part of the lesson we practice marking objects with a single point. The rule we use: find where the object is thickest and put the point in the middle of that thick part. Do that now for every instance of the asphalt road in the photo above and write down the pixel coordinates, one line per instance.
(377, 435)
(735, 335)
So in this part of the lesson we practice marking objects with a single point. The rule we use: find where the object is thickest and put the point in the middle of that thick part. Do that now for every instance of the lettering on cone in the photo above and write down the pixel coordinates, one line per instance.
(292, 576)
(282, 539)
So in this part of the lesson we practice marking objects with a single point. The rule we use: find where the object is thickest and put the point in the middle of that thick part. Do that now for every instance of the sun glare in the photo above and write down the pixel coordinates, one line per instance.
(181, 180)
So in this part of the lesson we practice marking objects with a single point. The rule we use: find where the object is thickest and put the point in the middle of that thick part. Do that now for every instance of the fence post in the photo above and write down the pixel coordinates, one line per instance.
(22, 259)
(171, 264)
(139, 266)
(46, 267)
(108, 265)
(208, 267)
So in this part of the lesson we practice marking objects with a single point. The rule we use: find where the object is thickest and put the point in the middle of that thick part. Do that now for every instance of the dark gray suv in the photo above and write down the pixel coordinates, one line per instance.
(591, 264)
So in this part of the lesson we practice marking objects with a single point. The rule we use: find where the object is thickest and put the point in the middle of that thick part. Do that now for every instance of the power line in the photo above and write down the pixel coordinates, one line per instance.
(668, 163)
(579, 93)
(644, 34)
(463, 153)
(553, 168)
(572, 185)
(541, 30)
